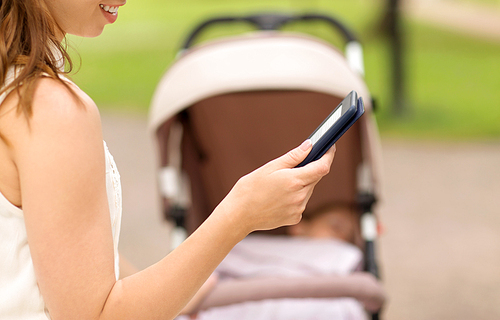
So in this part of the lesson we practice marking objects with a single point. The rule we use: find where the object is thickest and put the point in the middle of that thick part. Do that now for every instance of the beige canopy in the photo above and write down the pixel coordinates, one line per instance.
(260, 61)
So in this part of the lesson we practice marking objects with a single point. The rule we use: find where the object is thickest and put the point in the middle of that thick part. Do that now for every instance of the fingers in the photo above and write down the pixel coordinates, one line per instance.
(292, 158)
(277, 193)
(314, 171)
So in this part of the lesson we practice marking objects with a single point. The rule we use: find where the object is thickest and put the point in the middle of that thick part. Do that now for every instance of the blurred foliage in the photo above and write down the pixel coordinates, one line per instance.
(482, 2)
(452, 81)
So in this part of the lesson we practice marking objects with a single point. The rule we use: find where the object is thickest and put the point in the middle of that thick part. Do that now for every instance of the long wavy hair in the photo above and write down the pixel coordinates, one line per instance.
(28, 41)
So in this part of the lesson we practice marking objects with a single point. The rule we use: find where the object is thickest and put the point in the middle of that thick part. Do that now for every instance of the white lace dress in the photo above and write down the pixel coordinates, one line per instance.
(20, 297)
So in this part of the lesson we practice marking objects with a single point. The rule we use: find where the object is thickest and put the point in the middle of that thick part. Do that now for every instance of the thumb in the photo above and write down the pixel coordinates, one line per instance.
(293, 157)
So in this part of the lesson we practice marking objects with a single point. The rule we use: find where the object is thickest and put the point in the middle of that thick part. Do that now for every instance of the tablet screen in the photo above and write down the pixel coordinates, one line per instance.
(327, 124)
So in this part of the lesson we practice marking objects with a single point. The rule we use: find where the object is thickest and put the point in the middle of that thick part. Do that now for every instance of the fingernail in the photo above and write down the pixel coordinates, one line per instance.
(306, 145)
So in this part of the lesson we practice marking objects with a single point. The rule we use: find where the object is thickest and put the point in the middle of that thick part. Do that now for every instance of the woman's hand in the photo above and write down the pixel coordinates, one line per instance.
(277, 193)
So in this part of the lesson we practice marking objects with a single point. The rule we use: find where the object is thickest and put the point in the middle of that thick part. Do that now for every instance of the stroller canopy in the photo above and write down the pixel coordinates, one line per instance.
(262, 61)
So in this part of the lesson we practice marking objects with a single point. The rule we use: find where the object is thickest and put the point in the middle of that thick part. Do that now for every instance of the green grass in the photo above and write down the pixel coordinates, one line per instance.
(452, 79)
(453, 87)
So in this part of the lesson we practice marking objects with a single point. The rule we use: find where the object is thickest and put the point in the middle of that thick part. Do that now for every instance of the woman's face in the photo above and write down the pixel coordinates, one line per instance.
(85, 18)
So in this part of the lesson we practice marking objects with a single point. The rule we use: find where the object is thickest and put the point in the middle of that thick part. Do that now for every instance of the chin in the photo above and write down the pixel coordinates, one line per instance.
(88, 33)
(93, 34)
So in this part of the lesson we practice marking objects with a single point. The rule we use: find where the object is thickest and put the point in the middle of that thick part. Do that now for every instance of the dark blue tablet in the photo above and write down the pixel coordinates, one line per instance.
(334, 126)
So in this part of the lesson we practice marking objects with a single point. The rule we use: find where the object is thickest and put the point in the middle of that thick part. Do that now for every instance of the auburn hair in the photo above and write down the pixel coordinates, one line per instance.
(29, 42)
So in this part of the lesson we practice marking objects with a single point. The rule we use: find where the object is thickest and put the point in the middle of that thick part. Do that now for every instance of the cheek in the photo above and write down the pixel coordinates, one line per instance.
(322, 230)
(85, 21)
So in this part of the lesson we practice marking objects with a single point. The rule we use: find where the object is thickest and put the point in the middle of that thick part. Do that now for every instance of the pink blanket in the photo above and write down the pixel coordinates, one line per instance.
(262, 256)
(285, 279)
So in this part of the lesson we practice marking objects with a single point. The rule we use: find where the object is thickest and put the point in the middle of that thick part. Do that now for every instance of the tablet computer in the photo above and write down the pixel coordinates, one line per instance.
(334, 126)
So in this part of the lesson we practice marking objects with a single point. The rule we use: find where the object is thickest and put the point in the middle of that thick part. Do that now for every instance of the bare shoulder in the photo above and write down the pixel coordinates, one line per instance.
(55, 102)
(64, 124)
(60, 115)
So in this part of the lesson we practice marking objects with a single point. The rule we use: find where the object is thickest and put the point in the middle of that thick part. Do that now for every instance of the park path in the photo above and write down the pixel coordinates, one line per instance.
(441, 209)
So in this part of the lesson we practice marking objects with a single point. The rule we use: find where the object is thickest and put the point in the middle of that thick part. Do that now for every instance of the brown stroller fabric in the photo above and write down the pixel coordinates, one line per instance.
(228, 136)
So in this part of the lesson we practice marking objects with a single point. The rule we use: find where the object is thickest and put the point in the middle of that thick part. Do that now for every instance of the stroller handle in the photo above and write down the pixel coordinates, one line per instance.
(270, 21)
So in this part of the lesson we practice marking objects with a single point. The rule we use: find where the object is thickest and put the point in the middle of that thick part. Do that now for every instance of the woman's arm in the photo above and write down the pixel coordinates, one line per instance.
(209, 285)
(252, 204)
(126, 268)
(60, 159)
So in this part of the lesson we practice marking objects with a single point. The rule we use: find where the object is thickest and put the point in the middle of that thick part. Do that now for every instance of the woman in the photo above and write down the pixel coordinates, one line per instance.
(60, 202)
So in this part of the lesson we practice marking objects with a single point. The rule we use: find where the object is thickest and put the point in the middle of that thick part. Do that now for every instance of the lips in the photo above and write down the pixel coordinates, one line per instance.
(109, 12)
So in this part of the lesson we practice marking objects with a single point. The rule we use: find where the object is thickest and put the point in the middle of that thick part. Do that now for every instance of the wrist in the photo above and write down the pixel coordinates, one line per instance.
(233, 220)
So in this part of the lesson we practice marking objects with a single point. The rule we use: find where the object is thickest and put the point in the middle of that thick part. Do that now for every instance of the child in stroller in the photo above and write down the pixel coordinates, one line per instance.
(303, 277)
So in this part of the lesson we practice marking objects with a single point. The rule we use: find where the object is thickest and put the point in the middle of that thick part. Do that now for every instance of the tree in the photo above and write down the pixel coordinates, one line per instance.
(393, 29)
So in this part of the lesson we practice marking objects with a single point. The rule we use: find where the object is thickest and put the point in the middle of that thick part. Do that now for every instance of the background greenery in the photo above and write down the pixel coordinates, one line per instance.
(453, 79)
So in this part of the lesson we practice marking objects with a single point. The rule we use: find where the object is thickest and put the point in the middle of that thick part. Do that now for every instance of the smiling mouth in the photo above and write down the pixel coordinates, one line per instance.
(109, 9)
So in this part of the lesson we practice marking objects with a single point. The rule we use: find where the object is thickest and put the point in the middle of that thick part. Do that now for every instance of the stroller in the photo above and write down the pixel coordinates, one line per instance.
(220, 101)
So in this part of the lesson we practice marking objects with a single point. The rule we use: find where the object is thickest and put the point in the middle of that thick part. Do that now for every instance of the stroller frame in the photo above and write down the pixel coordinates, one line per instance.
(176, 203)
